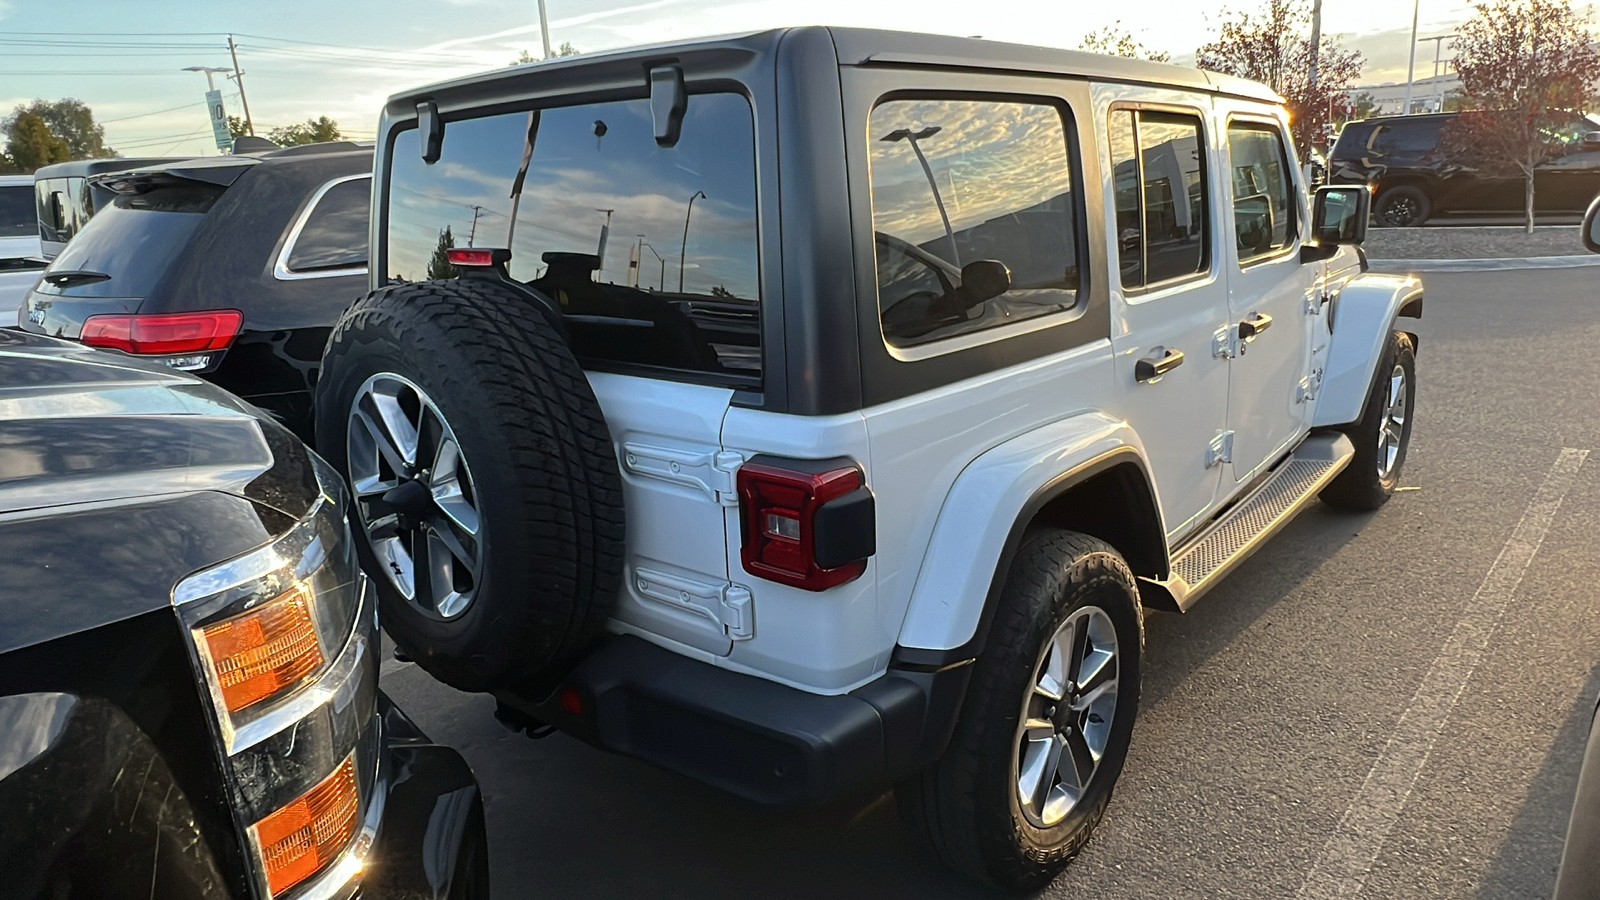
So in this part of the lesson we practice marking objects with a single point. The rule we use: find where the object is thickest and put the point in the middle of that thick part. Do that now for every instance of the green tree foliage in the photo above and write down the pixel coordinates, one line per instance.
(30, 143)
(237, 127)
(1114, 40)
(1526, 67)
(312, 131)
(1273, 46)
(73, 122)
(566, 49)
(439, 265)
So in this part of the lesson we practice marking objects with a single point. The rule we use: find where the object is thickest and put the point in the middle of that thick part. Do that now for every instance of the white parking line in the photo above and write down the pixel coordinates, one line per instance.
(1342, 869)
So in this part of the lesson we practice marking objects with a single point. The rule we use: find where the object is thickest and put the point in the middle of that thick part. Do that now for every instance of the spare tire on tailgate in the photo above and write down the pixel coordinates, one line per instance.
(486, 499)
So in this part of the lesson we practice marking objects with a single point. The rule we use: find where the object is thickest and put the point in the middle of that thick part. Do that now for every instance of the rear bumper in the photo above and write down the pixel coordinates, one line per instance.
(432, 841)
(756, 738)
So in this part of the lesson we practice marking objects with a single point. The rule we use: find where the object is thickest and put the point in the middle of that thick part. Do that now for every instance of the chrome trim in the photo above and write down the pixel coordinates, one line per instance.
(280, 265)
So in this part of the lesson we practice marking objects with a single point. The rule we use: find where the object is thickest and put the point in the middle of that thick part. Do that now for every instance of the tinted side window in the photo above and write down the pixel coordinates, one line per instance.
(960, 190)
(1408, 138)
(579, 195)
(1263, 195)
(335, 233)
(16, 211)
(1174, 221)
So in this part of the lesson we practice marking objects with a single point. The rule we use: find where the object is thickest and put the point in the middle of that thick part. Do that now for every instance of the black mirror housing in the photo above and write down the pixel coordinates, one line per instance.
(1591, 226)
(1339, 214)
(431, 131)
(984, 279)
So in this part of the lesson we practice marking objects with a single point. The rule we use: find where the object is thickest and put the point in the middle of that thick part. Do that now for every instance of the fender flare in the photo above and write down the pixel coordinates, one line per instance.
(1361, 317)
(983, 520)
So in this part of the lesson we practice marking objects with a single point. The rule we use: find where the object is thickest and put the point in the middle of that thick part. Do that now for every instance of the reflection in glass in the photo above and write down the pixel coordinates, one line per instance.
(560, 186)
(1174, 196)
(1262, 195)
(955, 182)
(1125, 169)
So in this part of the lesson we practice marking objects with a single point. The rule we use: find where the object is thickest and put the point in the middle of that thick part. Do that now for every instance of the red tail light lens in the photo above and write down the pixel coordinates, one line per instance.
(807, 529)
(477, 256)
(159, 334)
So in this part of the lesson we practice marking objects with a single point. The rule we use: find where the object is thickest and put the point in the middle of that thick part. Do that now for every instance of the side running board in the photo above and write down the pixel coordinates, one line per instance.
(1200, 564)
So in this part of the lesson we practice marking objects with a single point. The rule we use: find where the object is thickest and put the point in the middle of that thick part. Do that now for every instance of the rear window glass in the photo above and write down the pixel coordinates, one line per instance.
(1409, 138)
(972, 215)
(133, 240)
(16, 211)
(649, 251)
(335, 233)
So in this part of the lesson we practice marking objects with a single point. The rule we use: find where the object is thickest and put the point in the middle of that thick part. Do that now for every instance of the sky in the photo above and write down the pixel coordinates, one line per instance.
(341, 58)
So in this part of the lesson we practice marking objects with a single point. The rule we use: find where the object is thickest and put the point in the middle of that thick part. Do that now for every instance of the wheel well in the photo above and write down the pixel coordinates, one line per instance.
(1117, 507)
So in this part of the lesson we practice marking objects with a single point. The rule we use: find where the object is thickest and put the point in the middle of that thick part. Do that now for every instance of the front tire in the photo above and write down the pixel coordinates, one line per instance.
(1383, 434)
(1047, 720)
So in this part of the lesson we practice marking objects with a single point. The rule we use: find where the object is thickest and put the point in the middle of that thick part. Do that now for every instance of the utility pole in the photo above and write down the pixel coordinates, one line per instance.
(1316, 41)
(476, 212)
(544, 29)
(1411, 69)
(238, 78)
(684, 249)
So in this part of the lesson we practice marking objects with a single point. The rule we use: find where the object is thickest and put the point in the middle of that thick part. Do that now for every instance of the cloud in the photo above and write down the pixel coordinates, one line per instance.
(566, 22)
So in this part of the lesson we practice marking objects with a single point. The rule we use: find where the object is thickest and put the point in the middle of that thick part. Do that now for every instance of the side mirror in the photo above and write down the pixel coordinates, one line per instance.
(1591, 226)
(1339, 214)
(984, 279)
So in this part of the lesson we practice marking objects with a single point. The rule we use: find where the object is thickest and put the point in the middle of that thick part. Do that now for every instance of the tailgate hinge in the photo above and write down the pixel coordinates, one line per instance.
(726, 468)
(1221, 449)
(738, 613)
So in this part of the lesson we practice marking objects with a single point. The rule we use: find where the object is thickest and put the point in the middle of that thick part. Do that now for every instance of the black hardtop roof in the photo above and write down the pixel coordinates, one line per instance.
(868, 47)
(225, 170)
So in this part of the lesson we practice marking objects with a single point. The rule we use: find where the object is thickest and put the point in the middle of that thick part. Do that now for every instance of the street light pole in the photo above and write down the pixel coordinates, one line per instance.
(238, 78)
(544, 29)
(659, 258)
(1316, 41)
(906, 134)
(685, 248)
(1411, 68)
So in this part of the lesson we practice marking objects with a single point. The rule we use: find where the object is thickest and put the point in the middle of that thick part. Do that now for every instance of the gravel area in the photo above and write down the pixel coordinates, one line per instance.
(1473, 242)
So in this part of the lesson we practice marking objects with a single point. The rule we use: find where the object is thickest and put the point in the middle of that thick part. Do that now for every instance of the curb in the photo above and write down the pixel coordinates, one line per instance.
(1484, 265)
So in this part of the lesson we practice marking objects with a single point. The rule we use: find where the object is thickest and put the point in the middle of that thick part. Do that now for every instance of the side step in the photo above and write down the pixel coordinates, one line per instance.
(1200, 564)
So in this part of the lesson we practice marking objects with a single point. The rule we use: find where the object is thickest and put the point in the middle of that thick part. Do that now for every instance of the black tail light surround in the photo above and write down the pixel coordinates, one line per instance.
(806, 523)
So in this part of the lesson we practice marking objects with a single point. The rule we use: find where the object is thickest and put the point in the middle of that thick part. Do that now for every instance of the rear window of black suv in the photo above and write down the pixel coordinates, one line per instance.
(650, 251)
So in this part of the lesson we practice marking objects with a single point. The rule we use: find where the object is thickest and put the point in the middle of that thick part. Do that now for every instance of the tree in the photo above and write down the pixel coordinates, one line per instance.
(73, 122)
(237, 127)
(566, 49)
(439, 265)
(30, 143)
(1526, 67)
(313, 131)
(1114, 40)
(1363, 105)
(1273, 47)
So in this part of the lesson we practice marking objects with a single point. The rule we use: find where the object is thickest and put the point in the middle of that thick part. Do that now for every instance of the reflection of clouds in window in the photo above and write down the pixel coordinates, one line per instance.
(573, 176)
(988, 158)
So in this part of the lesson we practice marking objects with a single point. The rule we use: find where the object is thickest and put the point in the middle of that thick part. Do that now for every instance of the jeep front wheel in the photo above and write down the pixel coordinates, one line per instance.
(1047, 720)
(487, 504)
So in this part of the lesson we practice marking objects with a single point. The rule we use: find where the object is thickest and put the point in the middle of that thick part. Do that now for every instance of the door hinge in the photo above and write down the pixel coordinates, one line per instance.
(726, 465)
(1315, 301)
(1221, 449)
(713, 473)
(1224, 344)
(738, 612)
(1309, 386)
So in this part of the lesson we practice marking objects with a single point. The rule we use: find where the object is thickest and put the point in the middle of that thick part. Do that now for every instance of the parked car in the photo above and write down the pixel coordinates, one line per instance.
(902, 533)
(19, 243)
(1579, 875)
(189, 702)
(1415, 181)
(65, 198)
(234, 268)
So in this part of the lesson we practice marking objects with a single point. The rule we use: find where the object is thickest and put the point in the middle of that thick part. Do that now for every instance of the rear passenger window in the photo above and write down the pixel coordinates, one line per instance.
(334, 235)
(1163, 216)
(973, 216)
(1263, 195)
(1411, 139)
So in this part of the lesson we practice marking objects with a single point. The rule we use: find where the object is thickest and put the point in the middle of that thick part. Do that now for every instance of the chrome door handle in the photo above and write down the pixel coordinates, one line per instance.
(1249, 328)
(1152, 367)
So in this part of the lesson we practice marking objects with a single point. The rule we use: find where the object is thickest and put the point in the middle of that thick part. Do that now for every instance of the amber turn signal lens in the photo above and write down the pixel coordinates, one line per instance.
(299, 839)
(261, 652)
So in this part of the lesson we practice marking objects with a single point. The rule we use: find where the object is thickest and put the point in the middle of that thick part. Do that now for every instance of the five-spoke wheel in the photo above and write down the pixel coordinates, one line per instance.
(1066, 721)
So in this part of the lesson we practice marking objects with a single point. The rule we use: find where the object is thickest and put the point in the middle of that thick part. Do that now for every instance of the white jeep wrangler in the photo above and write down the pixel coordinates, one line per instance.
(815, 411)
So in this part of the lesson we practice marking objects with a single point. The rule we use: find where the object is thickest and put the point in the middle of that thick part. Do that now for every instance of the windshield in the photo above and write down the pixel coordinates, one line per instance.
(16, 211)
(133, 241)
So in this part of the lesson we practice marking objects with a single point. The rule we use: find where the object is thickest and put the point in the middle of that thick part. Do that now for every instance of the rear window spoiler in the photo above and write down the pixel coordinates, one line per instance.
(221, 172)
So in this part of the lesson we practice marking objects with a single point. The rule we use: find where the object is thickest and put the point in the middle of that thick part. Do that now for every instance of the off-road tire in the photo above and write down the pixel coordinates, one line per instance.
(541, 457)
(964, 808)
(1359, 486)
(1413, 199)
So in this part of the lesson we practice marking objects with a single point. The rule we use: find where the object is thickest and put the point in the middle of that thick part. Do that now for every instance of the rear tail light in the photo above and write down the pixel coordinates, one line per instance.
(300, 839)
(265, 652)
(807, 524)
(166, 333)
(477, 256)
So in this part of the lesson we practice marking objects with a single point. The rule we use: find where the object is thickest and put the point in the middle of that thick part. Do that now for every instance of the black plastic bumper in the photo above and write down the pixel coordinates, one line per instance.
(756, 738)
(432, 843)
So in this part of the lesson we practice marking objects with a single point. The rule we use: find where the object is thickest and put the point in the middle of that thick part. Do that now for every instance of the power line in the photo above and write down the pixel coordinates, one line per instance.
(156, 113)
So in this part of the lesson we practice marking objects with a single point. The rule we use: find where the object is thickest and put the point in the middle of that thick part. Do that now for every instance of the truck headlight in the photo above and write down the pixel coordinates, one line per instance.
(285, 640)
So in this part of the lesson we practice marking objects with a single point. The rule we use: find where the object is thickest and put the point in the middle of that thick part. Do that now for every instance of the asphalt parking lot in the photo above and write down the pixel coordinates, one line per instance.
(1389, 705)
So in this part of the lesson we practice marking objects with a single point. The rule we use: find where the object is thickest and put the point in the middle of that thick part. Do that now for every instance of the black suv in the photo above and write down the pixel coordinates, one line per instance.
(189, 703)
(1416, 181)
(234, 268)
